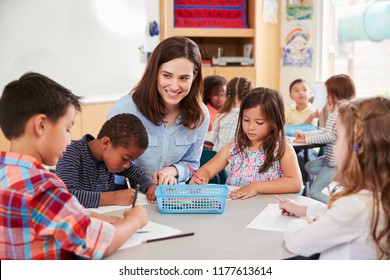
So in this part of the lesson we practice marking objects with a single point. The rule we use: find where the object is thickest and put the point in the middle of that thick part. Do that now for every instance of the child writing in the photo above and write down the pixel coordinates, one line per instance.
(94, 170)
(225, 123)
(40, 218)
(355, 224)
(338, 87)
(260, 159)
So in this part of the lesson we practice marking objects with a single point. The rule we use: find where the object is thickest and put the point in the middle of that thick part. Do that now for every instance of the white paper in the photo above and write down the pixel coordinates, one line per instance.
(271, 219)
(141, 200)
(320, 95)
(150, 231)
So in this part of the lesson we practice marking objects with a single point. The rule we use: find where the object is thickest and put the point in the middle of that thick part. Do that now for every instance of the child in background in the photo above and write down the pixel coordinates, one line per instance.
(39, 217)
(225, 123)
(300, 112)
(92, 168)
(338, 87)
(214, 95)
(260, 159)
(356, 222)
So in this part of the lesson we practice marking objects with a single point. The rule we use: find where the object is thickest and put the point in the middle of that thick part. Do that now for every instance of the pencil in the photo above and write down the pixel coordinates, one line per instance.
(193, 171)
(169, 237)
(128, 182)
(136, 194)
(279, 198)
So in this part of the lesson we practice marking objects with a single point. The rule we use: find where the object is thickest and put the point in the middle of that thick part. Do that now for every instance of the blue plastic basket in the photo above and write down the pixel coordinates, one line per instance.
(191, 199)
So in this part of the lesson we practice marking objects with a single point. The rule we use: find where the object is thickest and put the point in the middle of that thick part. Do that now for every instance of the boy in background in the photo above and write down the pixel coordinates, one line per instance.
(94, 170)
(39, 218)
(300, 112)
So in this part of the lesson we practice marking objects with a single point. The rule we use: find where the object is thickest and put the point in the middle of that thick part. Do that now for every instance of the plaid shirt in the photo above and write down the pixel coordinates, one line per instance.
(40, 219)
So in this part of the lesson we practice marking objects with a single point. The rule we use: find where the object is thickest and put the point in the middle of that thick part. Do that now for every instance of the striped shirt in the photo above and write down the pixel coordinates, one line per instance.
(86, 178)
(326, 136)
(40, 219)
(224, 128)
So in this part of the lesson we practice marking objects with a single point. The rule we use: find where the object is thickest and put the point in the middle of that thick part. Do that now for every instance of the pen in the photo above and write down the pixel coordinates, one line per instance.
(135, 196)
(193, 171)
(169, 237)
(278, 198)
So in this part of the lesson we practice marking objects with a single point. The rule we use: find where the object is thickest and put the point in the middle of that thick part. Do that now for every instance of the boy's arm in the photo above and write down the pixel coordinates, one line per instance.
(70, 170)
(67, 223)
(134, 219)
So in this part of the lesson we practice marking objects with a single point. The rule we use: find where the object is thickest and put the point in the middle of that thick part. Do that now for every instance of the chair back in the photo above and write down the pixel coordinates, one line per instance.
(221, 177)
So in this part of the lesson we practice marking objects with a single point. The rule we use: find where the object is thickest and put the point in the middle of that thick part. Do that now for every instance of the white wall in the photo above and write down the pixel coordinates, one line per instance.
(89, 46)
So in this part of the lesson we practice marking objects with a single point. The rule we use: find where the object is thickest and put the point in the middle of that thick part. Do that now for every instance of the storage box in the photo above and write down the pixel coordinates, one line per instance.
(192, 199)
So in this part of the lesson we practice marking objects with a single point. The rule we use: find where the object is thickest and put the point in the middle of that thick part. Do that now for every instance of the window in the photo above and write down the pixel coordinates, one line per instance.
(357, 42)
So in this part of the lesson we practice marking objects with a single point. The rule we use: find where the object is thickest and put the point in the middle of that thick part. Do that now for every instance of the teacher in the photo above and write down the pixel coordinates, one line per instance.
(168, 100)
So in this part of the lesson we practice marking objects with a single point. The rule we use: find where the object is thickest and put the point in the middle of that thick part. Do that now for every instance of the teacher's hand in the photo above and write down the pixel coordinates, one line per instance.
(165, 176)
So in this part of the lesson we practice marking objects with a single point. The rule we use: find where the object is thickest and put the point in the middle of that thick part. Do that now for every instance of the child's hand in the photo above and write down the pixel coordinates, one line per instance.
(243, 192)
(124, 197)
(291, 208)
(150, 194)
(299, 135)
(197, 180)
(138, 214)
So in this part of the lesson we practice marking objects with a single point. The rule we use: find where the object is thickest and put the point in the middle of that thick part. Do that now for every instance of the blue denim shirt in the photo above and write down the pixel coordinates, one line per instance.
(168, 146)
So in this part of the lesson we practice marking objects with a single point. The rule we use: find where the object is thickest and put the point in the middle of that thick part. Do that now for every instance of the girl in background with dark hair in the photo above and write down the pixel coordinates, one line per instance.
(214, 95)
(168, 100)
(260, 159)
(225, 124)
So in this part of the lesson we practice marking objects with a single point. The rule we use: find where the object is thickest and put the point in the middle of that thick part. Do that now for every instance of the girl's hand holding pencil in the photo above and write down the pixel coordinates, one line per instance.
(196, 179)
(291, 208)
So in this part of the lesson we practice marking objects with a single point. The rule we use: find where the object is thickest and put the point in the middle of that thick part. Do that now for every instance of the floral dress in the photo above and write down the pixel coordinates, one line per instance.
(244, 169)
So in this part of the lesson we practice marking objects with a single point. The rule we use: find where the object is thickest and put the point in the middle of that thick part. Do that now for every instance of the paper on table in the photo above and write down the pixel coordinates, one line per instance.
(320, 94)
(141, 200)
(271, 219)
(150, 231)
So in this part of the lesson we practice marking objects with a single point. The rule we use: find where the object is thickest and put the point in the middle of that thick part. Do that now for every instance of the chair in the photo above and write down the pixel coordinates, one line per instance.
(221, 177)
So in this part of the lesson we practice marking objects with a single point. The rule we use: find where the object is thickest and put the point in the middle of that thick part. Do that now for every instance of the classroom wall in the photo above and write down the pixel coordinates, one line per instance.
(90, 46)
(316, 29)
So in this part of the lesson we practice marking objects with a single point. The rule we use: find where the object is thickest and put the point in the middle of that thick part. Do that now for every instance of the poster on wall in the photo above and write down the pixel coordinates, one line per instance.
(270, 11)
(297, 51)
(299, 9)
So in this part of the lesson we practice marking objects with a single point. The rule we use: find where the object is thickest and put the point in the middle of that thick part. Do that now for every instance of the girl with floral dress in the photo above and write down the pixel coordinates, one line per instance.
(260, 158)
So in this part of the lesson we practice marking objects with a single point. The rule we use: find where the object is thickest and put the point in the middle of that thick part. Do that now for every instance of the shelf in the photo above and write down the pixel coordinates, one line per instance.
(213, 32)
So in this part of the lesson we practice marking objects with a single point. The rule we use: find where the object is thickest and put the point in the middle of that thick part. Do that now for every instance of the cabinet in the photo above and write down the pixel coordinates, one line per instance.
(264, 37)
(230, 72)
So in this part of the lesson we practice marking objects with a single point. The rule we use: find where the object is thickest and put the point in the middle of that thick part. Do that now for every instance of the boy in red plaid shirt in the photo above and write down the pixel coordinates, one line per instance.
(39, 218)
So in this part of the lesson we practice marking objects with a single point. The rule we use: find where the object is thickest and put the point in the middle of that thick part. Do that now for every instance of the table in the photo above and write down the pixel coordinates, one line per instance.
(305, 147)
(217, 236)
